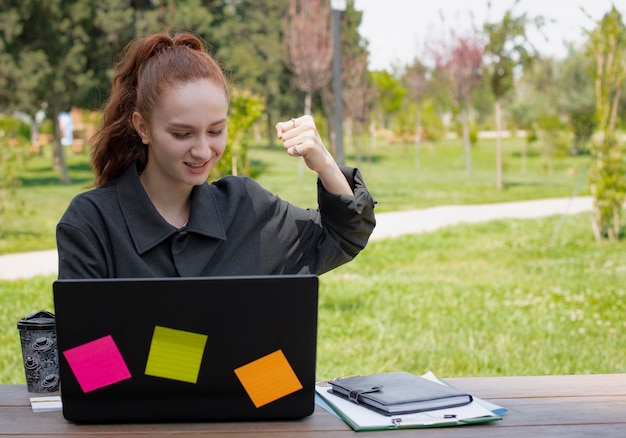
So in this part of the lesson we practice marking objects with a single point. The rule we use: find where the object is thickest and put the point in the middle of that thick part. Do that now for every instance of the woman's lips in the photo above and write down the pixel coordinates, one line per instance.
(197, 167)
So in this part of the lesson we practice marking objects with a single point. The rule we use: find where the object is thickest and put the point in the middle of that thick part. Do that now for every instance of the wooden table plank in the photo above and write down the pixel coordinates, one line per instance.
(546, 406)
(12, 422)
(16, 395)
(483, 387)
(542, 386)
(522, 412)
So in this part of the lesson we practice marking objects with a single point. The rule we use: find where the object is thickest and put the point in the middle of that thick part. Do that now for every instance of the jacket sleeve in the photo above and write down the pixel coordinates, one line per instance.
(294, 240)
(348, 221)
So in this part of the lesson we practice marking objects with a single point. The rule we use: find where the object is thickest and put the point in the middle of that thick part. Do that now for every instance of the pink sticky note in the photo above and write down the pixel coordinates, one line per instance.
(97, 364)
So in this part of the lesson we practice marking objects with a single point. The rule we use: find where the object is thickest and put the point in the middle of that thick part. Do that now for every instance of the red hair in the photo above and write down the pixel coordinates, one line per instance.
(147, 67)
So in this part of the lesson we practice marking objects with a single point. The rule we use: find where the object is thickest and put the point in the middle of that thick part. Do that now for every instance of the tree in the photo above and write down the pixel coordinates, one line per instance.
(578, 102)
(309, 43)
(42, 61)
(13, 153)
(53, 52)
(537, 109)
(389, 93)
(416, 79)
(252, 49)
(507, 48)
(244, 110)
(62, 53)
(174, 15)
(357, 92)
(460, 62)
(607, 176)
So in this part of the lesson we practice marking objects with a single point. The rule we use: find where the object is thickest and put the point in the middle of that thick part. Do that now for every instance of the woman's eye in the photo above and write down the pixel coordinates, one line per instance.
(216, 133)
(179, 136)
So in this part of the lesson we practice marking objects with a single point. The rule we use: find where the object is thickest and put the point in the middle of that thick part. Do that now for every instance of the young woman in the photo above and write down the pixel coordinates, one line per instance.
(152, 213)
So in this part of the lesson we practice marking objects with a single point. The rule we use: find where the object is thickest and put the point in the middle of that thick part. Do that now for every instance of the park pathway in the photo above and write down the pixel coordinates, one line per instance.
(394, 224)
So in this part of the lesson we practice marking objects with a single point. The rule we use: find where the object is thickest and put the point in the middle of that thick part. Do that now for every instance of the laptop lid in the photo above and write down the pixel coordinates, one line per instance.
(187, 349)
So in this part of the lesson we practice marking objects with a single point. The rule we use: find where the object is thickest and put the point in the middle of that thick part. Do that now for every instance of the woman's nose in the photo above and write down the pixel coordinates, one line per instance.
(202, 148)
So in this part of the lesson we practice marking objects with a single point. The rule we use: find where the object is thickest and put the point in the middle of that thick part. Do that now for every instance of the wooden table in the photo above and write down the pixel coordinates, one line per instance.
(545, 406)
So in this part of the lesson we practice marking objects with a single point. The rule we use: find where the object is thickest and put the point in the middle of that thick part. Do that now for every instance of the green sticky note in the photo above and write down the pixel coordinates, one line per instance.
(175, 354)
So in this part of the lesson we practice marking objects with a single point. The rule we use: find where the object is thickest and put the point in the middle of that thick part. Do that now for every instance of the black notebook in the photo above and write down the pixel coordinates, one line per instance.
(398, 393)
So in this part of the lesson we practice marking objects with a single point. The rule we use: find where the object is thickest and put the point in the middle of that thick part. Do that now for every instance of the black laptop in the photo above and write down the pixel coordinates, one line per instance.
(187, 349)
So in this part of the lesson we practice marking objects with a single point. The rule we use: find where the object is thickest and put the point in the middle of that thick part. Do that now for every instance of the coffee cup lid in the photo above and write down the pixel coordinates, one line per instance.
(41, 320)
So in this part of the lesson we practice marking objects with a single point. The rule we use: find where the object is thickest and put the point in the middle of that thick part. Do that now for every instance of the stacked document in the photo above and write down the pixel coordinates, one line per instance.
(361, 417)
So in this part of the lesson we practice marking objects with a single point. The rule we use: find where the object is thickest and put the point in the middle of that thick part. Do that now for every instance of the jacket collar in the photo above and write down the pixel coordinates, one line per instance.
(148, 228)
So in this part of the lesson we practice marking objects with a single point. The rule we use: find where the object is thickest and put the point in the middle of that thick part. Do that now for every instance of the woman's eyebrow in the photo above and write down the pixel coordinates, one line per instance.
(219, 122)
(182, 125)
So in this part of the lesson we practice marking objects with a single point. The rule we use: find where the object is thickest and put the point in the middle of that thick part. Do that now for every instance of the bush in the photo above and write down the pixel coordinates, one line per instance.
(11, 127)
(14, 141)
(244, 110)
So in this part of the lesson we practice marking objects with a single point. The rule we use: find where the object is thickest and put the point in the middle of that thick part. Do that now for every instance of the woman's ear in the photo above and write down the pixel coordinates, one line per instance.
(141, 126)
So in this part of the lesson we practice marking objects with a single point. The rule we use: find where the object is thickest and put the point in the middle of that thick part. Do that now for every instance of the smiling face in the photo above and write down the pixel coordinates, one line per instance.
(185, 134)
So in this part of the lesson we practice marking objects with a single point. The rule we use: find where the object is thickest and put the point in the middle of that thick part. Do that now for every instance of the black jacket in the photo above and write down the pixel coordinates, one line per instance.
(235, 228)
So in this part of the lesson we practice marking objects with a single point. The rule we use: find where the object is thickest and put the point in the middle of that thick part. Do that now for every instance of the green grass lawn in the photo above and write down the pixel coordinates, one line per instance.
(469, 300)
(389, 172)
(29, 221)
(441, 179)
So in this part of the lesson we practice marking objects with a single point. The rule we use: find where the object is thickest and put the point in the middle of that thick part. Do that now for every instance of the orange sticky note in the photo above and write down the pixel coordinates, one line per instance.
(269, 378)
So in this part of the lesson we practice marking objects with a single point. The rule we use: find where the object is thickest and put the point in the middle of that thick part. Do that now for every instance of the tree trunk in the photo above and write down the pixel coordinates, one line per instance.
(307, 103)
(308, 98)
(617, 221)
(271, 131)
(350, 144)
(524, 157)
(373, 143)
(59, 153)
(467, 147)
(418, 138)
(499, 184)
(549, 139)
(596, 219)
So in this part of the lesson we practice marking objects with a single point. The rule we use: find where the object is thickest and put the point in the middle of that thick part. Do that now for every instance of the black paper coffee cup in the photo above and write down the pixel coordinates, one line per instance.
(39, 351)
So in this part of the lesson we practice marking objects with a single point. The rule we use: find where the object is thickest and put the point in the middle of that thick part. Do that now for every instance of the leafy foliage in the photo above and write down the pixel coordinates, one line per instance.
(608, 173)
(14, 137)
(579, 102)
(310, 45)
(251, 48)
(460, 62)
(389, 93)
(244, 110)
(357, 92)
(507, 49)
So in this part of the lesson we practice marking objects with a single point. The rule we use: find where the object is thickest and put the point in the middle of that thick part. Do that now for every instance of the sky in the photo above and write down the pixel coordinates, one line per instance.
(396, 29)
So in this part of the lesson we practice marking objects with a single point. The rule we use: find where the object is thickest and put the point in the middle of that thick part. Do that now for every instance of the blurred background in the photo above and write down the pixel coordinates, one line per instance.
(439, 103)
